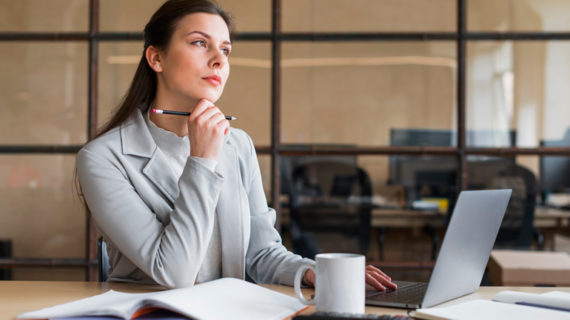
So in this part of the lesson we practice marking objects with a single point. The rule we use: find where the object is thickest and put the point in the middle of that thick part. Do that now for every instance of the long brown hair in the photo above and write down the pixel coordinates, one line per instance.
(157, 33)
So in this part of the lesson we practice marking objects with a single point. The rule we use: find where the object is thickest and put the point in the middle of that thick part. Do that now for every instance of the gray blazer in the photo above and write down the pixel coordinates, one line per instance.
(158, 227)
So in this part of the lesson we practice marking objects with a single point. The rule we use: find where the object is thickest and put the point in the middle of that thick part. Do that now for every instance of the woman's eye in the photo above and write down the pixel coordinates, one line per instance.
(226, 51)
(200, 43)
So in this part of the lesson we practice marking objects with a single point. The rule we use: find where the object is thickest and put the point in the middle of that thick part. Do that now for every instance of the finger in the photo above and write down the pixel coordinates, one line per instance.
(310, 277)
(377, 274)
(375, 283)
(200, 108)
(217, 118)
(222, 124)
(208, 116)
(373, 268)
(386, 282)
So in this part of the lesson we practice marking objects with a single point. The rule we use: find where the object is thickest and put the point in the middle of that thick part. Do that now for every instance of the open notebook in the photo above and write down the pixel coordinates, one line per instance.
(226, 298)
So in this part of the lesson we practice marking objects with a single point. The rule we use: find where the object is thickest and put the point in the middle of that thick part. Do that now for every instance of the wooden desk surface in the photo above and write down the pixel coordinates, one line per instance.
(17, 297)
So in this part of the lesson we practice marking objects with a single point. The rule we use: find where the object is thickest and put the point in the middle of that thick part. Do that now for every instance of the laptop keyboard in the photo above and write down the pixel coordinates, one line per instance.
(408, 292)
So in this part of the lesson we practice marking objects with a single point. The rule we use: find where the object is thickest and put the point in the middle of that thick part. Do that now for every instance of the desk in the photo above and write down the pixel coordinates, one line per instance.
(408, 218)
(21, 296)
(549, 220)
(551, 217)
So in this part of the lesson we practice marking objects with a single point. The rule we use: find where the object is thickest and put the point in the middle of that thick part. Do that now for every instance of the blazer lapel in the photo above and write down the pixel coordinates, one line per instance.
(230, 215)
(136, 140)
(159, 172)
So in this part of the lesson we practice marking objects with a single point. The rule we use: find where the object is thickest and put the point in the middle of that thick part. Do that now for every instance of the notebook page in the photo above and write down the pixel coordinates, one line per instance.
(229, 298)
(110, 303)
(489, 310)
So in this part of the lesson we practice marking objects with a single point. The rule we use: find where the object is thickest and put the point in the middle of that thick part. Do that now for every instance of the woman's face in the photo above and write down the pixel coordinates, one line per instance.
(195, 65)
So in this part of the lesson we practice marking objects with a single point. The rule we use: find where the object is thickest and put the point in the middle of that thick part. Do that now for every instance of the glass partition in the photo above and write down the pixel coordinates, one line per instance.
(44, 16)
(517, 93)
(518, 15)
(44, 93)
(132, 15)
(369, 15)
(38, 192)
(358, 92)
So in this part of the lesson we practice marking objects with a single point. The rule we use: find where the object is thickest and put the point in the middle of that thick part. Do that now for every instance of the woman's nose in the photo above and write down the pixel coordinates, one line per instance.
(218, 59)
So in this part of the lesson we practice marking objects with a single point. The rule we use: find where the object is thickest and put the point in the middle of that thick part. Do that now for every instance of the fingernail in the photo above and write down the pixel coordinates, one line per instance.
(226, 132)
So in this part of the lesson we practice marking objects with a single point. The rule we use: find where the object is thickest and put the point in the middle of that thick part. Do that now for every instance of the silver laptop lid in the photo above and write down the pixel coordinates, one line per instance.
(467, 245)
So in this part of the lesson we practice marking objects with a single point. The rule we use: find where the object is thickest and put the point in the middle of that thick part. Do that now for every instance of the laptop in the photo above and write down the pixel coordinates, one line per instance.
(463, 256)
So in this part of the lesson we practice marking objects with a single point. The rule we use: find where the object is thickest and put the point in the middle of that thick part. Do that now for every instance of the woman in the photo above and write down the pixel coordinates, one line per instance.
(179, 200)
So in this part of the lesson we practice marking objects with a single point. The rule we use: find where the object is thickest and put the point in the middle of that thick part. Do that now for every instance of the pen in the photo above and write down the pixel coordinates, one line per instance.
(182, 113)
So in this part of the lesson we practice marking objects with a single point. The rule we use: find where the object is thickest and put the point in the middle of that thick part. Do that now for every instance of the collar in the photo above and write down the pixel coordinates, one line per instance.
(136, 138)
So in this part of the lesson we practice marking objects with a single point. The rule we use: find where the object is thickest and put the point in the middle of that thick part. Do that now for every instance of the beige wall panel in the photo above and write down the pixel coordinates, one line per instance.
(353, 93)
(126, 15)
(132, 15)
(44, 16)
(249, 15)
(118, 62)
(42, 215)
(44, 92)
(369, 15)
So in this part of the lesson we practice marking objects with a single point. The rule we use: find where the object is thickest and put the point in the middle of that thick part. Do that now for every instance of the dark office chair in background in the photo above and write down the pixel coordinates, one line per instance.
(103, 265)
(517, 230)
(330, 198)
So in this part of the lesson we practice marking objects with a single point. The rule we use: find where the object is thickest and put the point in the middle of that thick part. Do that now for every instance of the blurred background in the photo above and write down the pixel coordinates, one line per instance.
(369, 117)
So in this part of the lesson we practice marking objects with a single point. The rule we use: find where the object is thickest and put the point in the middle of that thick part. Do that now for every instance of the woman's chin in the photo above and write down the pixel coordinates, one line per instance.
(210, 96)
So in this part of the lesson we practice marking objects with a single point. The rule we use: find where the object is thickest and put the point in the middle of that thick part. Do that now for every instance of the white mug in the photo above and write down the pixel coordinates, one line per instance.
(339, 282)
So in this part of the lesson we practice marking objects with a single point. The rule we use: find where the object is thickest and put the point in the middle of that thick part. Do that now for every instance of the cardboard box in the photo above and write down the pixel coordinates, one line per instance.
(529, 268)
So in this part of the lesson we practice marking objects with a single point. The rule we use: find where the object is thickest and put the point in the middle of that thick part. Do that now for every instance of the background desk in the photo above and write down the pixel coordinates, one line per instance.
(549, 220)
(406, 218)
(21, 296)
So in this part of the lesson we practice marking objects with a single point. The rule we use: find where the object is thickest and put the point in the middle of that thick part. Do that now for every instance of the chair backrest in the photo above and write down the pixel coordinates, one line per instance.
(332, 197)
(103, 265)
(517, 227)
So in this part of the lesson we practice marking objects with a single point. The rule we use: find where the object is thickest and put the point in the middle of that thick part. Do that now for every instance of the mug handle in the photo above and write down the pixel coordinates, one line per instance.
(297, 284)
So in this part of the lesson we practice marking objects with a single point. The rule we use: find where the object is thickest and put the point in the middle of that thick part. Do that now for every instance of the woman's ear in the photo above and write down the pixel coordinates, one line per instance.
(153, 58)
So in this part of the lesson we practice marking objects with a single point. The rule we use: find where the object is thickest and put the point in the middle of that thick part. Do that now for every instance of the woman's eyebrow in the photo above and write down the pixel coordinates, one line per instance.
(207, 36)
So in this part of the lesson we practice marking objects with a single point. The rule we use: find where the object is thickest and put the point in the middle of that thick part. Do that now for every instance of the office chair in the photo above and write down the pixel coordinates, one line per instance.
(103, 265)
(330, 198)
(517, 230)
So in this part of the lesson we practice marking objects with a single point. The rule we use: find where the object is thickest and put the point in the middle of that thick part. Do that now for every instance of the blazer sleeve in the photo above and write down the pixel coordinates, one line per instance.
(267, 259)
(170, 254)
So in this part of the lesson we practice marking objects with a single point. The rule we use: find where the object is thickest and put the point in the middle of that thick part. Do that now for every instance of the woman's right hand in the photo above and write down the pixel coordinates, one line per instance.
(206, 129)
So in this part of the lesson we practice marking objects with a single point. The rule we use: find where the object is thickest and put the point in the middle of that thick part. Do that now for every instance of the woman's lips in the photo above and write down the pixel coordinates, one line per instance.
(214, 80)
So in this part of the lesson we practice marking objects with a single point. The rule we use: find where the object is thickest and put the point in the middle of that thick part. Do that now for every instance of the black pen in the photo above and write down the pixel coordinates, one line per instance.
(182, 113)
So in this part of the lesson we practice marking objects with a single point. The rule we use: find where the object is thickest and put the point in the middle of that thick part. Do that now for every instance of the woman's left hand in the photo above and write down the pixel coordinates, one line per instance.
(374, 277)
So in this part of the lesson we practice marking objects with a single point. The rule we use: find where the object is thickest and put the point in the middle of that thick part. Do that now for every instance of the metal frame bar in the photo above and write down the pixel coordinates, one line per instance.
(461, 94)
(92, 116)
(303, 36)
(276, 150)
(275, 105)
